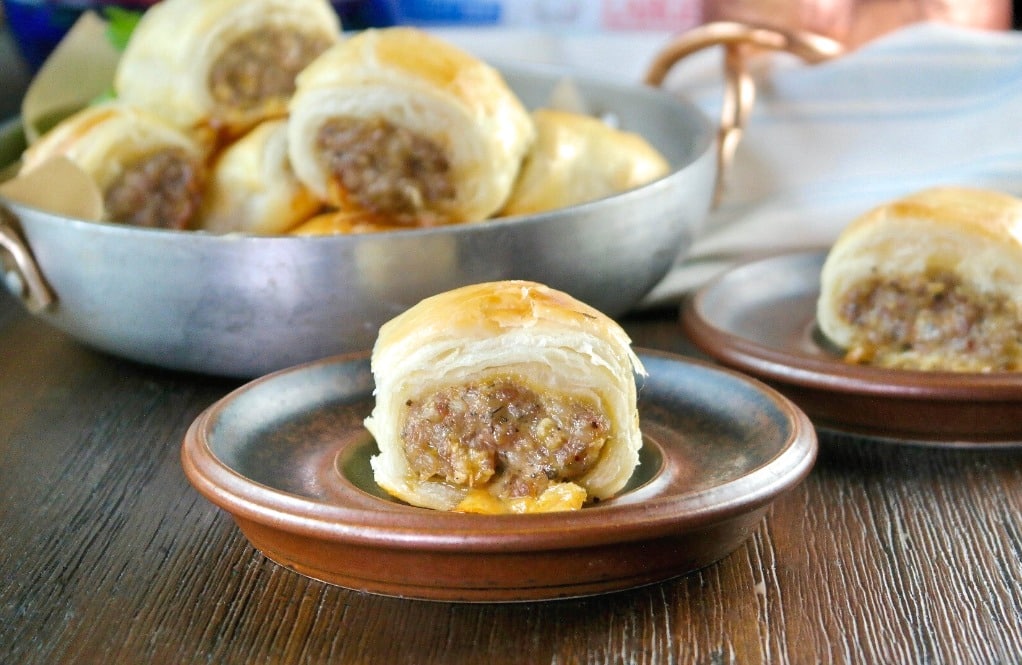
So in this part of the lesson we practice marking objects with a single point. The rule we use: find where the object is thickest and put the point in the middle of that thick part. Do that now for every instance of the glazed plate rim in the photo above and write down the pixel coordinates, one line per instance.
(647, 511)
(814, 370)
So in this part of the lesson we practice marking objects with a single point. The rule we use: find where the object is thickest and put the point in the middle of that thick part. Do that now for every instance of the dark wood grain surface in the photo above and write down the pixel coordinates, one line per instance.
(107, 555)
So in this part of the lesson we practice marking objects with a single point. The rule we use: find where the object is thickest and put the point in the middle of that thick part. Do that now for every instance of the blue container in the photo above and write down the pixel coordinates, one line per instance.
(38, 26)
(443, 12)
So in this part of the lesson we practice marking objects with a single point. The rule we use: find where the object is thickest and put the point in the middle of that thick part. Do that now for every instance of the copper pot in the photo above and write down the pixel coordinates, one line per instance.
(815, 30)
(853, 22)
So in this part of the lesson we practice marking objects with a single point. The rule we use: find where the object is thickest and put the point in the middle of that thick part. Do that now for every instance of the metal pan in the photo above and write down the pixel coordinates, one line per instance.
(243, 306)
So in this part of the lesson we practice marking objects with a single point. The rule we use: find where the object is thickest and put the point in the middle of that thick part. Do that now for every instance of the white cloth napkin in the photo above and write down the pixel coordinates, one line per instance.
(927, 105)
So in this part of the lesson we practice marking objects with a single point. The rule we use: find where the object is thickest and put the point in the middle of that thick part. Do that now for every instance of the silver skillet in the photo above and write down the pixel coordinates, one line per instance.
(243, 306)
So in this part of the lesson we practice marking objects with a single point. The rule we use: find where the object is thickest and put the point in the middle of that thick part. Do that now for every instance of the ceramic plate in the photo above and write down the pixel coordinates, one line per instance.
(760, 318)
(288, 457)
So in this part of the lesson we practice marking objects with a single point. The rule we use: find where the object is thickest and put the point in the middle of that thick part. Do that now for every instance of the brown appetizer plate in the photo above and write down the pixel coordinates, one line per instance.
(760, 318)
(287, 456)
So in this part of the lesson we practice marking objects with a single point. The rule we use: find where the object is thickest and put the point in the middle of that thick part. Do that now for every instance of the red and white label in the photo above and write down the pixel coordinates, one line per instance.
(670, 15)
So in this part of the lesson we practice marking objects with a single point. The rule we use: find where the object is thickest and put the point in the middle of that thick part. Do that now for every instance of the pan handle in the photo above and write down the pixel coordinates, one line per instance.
(24, 279)
(740, 40)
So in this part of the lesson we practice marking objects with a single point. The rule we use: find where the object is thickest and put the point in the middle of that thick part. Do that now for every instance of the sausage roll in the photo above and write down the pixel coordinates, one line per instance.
(252, 188)
(504, 397)
(148, 173)
(932, 281)
(222, 64)
(407, 126)
(578, 158)
(343, 222)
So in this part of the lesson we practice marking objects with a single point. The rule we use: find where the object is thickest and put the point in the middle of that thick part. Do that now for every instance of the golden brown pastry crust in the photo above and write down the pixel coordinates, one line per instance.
(342, 222)
(252, 188)
(546, 339)
(956, 242)
(103, 139)
(167, 65)
(107, 140)
(416, 82)
(578, 158)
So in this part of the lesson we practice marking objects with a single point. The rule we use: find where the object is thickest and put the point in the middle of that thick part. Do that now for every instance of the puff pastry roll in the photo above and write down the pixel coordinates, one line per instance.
(504, 397)
(343, 222)
(578, 158)
(252, 188)
(932, 281)
(222, 64)
(148, 172)
(405, 125)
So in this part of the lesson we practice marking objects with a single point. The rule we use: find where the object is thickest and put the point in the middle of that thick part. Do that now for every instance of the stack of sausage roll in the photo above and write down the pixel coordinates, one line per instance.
(262, 117)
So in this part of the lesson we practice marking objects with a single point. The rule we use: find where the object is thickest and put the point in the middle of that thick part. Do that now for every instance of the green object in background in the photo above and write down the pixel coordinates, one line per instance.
(120, 24)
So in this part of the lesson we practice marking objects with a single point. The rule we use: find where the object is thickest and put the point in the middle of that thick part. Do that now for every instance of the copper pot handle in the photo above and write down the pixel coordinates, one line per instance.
(24, 280)
(739, 41)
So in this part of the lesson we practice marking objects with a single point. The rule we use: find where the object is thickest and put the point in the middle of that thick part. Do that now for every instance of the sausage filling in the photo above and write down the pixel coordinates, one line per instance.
(162, 190)
(262, 66)
(933, 321)
(502, 436)
(388, 169)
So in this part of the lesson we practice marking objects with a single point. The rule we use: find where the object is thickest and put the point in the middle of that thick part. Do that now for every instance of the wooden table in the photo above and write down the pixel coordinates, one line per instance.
(883, 555)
